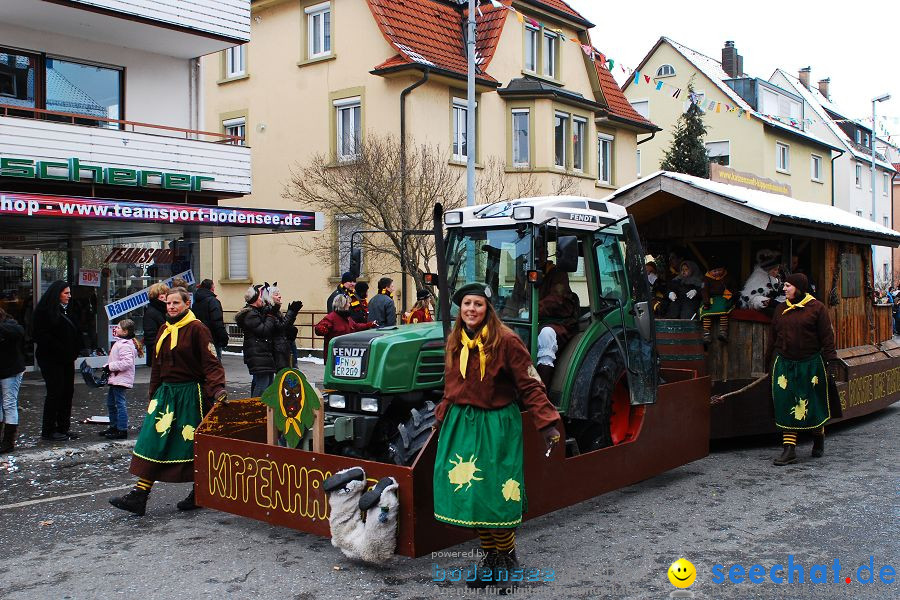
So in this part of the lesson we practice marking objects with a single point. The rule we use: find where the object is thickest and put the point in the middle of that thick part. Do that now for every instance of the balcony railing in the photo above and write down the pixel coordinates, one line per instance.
(7, 110)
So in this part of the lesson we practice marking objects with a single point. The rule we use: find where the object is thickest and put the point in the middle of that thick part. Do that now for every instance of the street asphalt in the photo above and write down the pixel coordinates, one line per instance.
(59, 538)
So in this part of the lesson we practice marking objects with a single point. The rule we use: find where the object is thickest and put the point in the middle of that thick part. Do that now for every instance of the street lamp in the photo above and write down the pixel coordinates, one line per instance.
(881, 98)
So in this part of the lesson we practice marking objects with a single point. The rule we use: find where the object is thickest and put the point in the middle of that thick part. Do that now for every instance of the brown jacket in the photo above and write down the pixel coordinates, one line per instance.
(801, 333)
(558, 306)
(193, 359)
(507, 376)
(714, 287)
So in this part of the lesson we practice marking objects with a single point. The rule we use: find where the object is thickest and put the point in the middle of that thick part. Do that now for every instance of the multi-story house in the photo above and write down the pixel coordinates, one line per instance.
(853, 167)
(754, 126)
(318, 77)
(104, 174)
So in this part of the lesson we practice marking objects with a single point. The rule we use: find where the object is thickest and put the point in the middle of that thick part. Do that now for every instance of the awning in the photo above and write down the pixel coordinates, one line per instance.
(661, 191)
(42, 221)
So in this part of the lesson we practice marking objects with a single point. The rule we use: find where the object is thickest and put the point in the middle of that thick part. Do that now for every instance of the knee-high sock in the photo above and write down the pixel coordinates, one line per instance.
(143, 485)
(487, 540)
(707, 324)
(789, 438)
(723, 324)
(505, 539)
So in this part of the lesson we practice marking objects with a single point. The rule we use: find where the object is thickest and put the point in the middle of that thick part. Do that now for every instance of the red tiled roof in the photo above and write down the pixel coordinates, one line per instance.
(560, 6)
(430, 33)
(618, 104)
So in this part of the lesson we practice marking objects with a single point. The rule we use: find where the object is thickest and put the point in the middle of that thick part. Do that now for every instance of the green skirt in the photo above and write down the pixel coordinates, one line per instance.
(800, 392)
(478, 473)
(718, 305)
(164, 450)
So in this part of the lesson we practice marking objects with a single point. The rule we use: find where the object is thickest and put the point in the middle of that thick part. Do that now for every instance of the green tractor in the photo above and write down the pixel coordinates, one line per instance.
(381, 385)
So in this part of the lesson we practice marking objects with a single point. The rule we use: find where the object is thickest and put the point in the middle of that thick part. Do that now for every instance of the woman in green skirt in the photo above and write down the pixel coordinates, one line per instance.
(185, 373)
(478, 473)
(802, 343)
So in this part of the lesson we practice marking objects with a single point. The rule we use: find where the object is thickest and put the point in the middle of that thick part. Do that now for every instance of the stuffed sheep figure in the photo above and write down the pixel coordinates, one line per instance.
(374, 539)
(763, 286)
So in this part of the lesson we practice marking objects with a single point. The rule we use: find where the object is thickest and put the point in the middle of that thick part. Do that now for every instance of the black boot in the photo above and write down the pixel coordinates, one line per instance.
(788, 456)
(507, 563)
(107, 431)
(117, 434)
(485, 574)
(8, 440)
(134, 501)
(818, 450)
(188, 503)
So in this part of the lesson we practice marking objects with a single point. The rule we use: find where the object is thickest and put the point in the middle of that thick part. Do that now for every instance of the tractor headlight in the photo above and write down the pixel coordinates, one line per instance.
(369, 404)
(337, 401)
(523, 213)
(454, 217)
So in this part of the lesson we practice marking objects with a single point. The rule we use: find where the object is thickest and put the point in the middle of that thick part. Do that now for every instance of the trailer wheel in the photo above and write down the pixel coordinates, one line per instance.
(412, 435)
(609, 405)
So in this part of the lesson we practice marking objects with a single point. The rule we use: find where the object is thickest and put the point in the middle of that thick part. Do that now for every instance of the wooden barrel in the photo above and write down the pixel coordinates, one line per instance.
(679, 343)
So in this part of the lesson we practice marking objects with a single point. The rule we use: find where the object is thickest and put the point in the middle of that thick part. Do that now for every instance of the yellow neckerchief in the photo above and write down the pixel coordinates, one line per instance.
(801, 304)
(709, 274)
(173, 329)
(386, 293)
(468, 344)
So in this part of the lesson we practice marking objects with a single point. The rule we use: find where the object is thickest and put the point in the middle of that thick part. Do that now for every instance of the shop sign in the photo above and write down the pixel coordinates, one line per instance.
(73, 207)
(89, 277)
(116, 309)
(140, 256)
(73, 170)
(747, 180)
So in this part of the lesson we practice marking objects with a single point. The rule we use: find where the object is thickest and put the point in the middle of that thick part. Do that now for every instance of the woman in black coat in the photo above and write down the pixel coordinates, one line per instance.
(154, 316)
(58, 344)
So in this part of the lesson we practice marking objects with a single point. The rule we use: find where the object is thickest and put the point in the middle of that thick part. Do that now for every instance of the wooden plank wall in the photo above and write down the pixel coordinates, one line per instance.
(852, 317)
(743, 357)
(884, 322)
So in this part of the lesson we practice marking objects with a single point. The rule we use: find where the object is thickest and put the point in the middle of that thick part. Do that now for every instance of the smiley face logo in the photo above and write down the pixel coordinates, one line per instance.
(682, 573)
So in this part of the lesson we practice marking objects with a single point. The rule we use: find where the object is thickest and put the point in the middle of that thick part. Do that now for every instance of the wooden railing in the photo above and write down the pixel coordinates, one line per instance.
(7, 110)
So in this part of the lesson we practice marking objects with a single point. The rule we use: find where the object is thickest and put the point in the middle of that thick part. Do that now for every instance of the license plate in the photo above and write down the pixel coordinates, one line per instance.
(348, 366)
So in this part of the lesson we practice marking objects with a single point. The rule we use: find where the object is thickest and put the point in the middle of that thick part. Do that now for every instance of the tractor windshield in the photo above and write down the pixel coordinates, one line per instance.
(499, 258)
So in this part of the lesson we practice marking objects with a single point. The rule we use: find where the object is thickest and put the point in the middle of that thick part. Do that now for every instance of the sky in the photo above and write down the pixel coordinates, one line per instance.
(786, 34)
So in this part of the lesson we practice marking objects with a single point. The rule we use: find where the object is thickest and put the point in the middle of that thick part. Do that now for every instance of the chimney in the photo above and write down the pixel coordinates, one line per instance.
(804, 76)
(730, 59)
(823, 87)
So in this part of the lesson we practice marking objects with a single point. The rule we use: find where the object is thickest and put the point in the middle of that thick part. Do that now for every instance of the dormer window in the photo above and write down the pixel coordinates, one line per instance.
(866, 140)
(665, 71)
(858, 137)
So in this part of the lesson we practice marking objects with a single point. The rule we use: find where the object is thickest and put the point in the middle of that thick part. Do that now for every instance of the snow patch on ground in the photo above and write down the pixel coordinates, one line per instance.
(311, 359)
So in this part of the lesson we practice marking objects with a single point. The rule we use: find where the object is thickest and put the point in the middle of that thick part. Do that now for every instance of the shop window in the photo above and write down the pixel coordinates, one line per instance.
(83, 89)
(238, 267)
(318, 30)
(815, 167)
(719, 152)
(604, 158)
(349, 126)
(17, 77)
(235, 61)
(521, 138)
(851, 275)
(236, 127)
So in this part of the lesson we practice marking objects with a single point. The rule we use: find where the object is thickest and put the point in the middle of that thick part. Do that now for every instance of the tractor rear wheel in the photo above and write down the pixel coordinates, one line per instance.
(609, 405)
(412, 435)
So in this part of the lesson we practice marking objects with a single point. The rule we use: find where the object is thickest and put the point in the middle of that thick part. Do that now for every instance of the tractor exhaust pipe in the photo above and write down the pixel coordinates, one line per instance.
(443, 292)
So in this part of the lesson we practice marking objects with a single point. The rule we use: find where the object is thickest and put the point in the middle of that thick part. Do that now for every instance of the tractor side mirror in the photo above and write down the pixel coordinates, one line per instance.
(567, 253)
(355, 261)
(643, 320)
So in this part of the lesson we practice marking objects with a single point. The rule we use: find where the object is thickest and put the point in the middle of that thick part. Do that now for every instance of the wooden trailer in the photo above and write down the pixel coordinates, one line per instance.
(831, 246)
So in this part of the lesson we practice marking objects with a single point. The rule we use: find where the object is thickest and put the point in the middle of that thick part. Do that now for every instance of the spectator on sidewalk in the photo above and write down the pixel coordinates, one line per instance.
(359, 311)
(58, 345)
(259, 326)
(286, 332)
(338, 322)
(12, 367)
(154, 316)
(122, 357)
(348, 284)
(421, 312)
(207, 307)
(382, 309)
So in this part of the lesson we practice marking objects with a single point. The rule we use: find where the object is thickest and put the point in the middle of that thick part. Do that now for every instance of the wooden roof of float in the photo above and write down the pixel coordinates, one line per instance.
(664, 191)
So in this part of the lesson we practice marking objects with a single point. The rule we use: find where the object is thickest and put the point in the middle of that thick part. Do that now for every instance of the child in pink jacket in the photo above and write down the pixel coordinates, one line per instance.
(122, 357)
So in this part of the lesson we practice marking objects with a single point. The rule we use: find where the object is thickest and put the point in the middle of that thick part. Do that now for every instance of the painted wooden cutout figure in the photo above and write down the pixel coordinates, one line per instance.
(294, 403)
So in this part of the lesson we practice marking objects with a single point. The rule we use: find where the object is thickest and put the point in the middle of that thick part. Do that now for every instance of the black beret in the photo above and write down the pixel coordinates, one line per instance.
(472, 289)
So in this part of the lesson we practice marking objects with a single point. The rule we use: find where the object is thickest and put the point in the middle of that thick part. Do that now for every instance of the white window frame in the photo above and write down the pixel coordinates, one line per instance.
(238, 246)
(533, 34)
(865, 141)
(581, 146)
(886, 221)
(858, 136)
(341, 105)
(550, 43)
(859, 175)
(566, 117)
(236, 126)
(235, 61)
(605, 141)
(314, 26)
(782, 149)
(459, 119)
(885, 181)
(663, 72)
(728, 142)
(517, 160)
(815, 167)
(646, 106)
(638, 162)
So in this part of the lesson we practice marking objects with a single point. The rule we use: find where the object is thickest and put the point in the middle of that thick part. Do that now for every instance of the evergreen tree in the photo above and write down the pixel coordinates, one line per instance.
(687, 154)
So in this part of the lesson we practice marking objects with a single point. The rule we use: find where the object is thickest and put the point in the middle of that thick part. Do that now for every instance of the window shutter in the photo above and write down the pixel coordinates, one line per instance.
(237, 258)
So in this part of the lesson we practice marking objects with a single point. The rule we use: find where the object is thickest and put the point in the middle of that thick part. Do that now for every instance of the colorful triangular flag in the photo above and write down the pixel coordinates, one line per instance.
(659, 85)
(647, 78)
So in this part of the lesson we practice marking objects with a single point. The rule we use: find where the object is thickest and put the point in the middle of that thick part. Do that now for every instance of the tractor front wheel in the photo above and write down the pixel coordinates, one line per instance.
(609, 411)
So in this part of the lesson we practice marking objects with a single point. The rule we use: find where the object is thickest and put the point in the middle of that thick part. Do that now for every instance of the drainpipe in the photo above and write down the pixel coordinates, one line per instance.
(832, 174)
(652, 135)
(403, 96)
